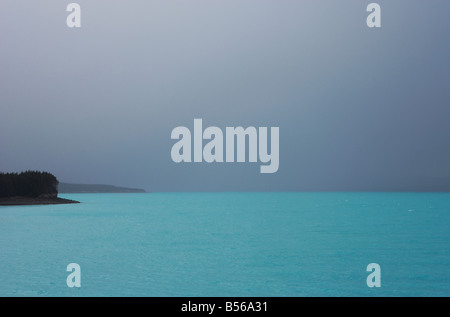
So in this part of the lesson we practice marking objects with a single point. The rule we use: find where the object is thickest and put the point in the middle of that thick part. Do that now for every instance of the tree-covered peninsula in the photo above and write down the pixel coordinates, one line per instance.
(30, 188)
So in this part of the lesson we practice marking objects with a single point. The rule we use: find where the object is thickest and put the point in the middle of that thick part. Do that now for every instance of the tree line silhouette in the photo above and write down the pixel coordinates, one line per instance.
(29, 184)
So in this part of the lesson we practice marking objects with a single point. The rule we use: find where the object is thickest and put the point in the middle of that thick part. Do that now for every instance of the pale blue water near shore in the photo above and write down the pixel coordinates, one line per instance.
(229, 244)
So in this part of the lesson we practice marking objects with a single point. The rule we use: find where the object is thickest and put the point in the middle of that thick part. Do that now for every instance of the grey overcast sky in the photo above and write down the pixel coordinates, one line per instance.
(358, 108)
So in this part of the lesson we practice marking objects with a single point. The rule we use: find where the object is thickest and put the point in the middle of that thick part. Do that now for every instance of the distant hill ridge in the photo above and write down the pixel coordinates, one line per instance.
(95, 188)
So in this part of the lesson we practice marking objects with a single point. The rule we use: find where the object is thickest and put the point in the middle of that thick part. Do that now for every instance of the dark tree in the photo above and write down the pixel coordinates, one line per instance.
(29, 184)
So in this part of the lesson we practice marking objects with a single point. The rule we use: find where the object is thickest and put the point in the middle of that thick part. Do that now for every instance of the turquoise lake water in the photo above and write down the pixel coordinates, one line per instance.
(229, 244)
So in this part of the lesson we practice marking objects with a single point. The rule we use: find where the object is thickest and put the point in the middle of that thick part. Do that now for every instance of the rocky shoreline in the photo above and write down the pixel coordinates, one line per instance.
(20, 201)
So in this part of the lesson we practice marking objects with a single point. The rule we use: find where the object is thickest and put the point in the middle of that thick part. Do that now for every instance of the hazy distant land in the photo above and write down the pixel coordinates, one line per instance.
(68, 188)
(42, 188)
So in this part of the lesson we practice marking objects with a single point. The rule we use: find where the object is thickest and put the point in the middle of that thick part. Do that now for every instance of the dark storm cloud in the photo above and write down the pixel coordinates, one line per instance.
(358, 108)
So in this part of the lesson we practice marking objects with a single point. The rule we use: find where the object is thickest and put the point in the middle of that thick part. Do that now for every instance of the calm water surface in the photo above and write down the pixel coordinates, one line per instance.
(229, 244)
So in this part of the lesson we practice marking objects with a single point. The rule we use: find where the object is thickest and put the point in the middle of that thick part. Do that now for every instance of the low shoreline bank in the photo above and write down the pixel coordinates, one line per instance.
(21, 201)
